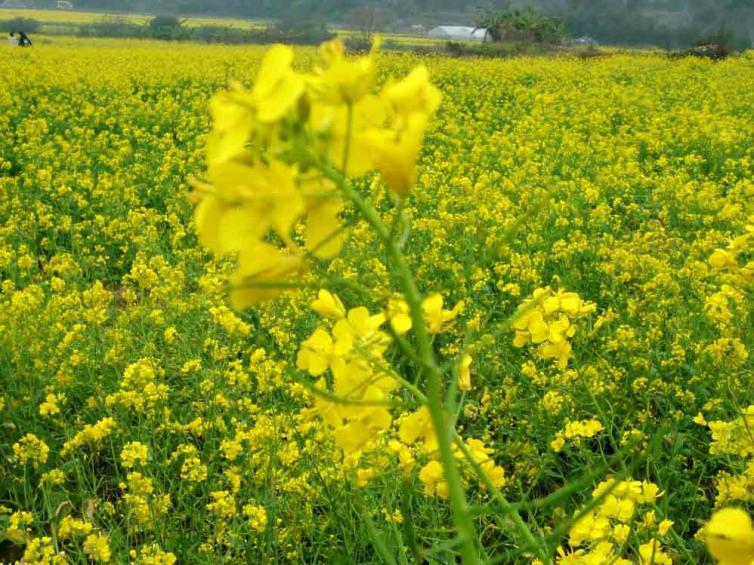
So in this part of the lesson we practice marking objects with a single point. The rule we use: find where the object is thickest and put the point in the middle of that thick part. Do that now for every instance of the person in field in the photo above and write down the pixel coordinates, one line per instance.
(23, 39)
(12, 39)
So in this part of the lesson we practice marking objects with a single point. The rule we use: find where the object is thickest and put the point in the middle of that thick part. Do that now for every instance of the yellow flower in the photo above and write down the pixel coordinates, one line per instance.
(410, 102)
(481, 455)
(730, 537)
(324, 234)
(464, 373)
(435, 316)
(315, 353)
(621, 533)
(722, 260)
(257, 517)
(395, 153)
(560, 329)
(531, 327)
(560, 350)
(364, 425)
(664, 527)
(558, 443)
(223, 504)
(419, 426)
(259, 264)
(360, 324)
(414, 94)
(50, 405)
(40, 551)
(232, 125)
(132, 453)
(153, 555)
(235, 113)
(243, 202)
(97, 548)
(71, 527)
(328, 305)
(349, 149)
(397, 312)
(31, 448)
(277, 87)
(589, 527)
(650, 492)
(651, 552)
(433, 478)
(344, 80)
(405, 456)
(53, 477)
(568, 302)
(549, 324)
(619, 509)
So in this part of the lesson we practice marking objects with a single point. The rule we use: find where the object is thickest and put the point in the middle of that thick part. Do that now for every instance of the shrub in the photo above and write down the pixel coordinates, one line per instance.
(27, 25)
(716, 46)
(520, 25)
(302, 32)
(588, 52)
(112, 27)
(358, 44)
(502, 49)
(166, 27)
(719, 44)
(218, 34)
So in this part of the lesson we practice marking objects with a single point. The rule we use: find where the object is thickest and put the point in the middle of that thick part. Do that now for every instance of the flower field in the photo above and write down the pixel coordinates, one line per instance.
(580, 236)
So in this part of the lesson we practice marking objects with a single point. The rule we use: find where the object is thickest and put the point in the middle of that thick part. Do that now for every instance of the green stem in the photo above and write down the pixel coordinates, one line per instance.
(402, 344)
(440, 420)
(506, 506)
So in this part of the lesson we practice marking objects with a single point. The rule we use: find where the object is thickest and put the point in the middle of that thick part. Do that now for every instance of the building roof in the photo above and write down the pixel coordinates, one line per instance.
(458, 32)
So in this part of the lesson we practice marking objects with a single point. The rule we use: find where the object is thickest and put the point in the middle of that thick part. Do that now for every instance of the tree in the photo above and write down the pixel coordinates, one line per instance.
(165, 27)
(510, 24)
(367, 19)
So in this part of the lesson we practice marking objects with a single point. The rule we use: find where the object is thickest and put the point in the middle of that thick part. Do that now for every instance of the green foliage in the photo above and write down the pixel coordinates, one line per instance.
(498, 49)
(299, 31)
(113, 27)
(27, 25)
(665, 24)
(725, 39)
(514, 24)
(170, 28)
(166, 27)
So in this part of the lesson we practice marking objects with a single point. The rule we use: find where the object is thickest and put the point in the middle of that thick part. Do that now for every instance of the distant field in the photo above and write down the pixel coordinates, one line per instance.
(62, 17)
(57, 21)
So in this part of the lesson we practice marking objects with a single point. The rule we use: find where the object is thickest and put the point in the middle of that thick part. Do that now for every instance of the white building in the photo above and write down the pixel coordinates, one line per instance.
(458, 33)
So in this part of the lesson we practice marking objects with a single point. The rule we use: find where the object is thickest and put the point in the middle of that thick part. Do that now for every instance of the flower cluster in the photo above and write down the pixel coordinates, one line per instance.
(735, 440)
(31, 448)
(575, 431)
(432, 474)
(353, 353)
(738, 251)
(548, 320)
(618, 521)
(272, 148)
